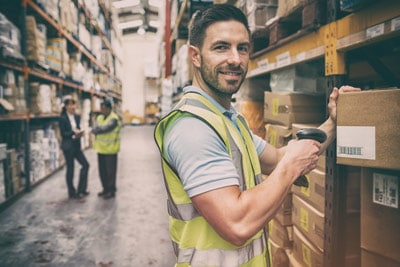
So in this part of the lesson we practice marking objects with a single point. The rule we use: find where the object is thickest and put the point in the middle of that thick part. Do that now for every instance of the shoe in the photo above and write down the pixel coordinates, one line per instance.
(74, 196)
(109, 195)
(84, 194)
(102, 193)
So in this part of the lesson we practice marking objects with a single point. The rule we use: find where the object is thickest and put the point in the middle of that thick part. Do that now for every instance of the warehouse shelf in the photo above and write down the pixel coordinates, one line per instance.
(94, 23)
(17, 125)
(341, 35)
(367, 37)
(51, 78)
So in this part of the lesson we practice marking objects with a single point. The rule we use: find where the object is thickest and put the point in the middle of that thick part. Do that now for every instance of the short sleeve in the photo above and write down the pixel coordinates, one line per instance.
(199, 156)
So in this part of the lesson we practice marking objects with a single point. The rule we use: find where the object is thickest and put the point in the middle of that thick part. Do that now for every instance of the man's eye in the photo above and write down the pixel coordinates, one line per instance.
(221, 47)
(244, 49)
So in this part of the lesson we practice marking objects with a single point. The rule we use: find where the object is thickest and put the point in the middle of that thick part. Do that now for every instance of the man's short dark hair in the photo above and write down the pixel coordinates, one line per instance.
(107, 104)
(201, 20)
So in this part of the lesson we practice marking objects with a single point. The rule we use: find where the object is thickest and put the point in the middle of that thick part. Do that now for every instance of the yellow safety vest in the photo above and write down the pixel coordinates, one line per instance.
(195, 242)
(108, 143)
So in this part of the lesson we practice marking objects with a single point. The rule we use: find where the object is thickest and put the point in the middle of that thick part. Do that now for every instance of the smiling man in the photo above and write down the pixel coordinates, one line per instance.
(217, 201)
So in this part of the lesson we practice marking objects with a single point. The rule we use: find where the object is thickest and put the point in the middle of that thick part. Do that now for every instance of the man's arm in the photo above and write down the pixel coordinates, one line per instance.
(105, 128)
(237, 215)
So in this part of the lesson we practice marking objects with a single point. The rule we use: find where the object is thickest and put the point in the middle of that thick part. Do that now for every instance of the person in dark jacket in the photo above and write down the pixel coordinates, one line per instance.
(71, 146)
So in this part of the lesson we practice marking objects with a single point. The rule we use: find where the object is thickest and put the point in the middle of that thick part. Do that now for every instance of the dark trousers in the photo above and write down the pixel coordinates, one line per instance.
(108, 172)
(70, 156)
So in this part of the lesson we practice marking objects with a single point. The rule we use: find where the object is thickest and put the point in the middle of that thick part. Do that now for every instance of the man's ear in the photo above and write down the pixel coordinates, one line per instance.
(194, 54)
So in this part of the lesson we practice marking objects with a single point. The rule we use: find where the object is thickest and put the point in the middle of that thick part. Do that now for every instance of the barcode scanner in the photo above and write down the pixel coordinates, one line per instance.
(309, 133)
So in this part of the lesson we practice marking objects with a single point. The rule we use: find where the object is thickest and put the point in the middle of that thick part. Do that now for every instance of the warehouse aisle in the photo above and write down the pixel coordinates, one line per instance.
(45, 228)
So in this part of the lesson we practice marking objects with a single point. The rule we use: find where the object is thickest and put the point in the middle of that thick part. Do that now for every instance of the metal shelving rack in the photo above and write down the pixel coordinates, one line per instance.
(32, 72)
(378, 22)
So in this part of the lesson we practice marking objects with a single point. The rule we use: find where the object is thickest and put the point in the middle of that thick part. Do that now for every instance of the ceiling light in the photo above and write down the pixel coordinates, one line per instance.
(126, 3)
(130, 24)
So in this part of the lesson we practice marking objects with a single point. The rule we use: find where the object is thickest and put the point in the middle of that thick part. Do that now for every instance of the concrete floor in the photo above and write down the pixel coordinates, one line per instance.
(45, 228)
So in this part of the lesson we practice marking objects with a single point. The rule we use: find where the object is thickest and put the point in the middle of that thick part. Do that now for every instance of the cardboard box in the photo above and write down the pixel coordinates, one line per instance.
(277, 135)
(309, 221)
(368, 129)
(281, 235)
(305, 252)
(284, 214)
(315, 193)
(287, 108)
(369, 259)
(380, 212)
(278, 255)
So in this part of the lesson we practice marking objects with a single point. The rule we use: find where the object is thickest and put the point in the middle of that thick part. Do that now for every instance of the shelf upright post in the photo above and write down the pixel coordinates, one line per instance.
(167, 36)
(26, 121)
(335, 181)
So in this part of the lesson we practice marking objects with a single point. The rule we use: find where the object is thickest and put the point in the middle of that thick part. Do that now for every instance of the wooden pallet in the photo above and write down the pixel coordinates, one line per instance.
(307, 16)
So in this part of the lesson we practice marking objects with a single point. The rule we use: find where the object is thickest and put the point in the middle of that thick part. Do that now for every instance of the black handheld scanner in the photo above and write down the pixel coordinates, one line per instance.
(309, 133)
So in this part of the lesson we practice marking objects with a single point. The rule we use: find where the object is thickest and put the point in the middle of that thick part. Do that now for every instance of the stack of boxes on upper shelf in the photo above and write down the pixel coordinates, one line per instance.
(53, 53)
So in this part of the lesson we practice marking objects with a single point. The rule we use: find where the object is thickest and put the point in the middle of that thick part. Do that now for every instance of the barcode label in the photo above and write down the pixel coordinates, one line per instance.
(356, 142)
(386, 190)
(352, 150)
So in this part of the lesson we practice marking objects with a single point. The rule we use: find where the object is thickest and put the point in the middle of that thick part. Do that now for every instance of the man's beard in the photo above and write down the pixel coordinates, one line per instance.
(210, 78)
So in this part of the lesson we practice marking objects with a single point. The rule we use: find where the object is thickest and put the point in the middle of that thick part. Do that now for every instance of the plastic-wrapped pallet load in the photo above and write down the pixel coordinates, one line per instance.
(10, 39)
(51, 8)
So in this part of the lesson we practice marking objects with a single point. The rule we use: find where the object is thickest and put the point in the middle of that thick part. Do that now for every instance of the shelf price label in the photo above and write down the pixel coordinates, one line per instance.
(375, 31)
(283, 59)
(395, 24)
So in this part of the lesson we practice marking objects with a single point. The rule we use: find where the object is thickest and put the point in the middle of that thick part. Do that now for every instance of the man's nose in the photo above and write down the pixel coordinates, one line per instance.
(234, 57)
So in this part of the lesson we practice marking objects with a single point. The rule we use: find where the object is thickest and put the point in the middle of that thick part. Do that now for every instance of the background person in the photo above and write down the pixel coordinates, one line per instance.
(71, 147)
(107, 145)
(218, 202)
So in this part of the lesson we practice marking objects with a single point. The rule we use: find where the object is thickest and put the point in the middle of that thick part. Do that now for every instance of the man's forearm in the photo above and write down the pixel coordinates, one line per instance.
(329, 127)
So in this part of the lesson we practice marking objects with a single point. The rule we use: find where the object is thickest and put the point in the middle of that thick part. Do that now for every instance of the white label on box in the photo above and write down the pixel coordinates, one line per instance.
(356, 142)
(385, 190)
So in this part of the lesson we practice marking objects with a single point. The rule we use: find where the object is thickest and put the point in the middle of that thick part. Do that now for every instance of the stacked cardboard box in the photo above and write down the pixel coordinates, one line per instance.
(369, 139)
(36, 41)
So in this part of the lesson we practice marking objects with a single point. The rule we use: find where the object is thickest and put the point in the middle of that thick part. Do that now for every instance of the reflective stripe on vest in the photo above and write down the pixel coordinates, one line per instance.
(108, 143)
(195, 242)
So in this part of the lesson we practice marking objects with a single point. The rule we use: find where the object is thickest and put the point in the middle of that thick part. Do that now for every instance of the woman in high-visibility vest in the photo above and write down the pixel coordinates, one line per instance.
(218, 205)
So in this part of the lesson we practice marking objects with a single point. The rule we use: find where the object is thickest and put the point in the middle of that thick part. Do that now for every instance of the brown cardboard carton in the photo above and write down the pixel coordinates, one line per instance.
(314, 194)
(309, 221)
(278, 255)
(304, 251)
(277, 135)
(369, 259)
(368, 129)
(281, 235)
(285, 108)
(380, 212)
(284, 214)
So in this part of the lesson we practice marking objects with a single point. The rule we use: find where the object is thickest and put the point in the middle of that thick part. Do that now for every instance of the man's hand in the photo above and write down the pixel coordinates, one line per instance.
(332, 105)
